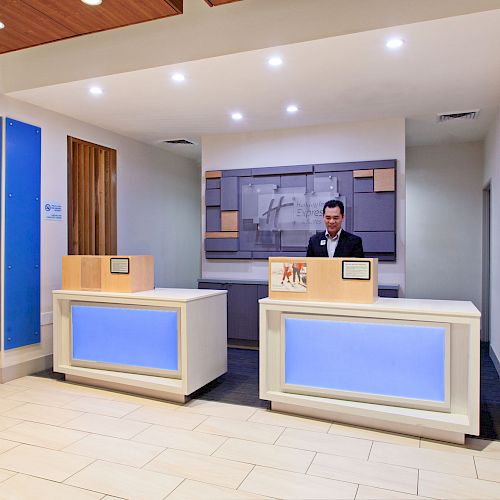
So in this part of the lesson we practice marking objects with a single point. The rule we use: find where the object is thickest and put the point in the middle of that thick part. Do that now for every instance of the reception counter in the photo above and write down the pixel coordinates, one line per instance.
(164, 343)
(401, 365)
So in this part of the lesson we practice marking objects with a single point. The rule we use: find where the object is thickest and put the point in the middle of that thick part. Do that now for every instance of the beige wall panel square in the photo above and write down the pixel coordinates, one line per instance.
(362, 173)
(213, 174)
(229, 220)
(384, 179)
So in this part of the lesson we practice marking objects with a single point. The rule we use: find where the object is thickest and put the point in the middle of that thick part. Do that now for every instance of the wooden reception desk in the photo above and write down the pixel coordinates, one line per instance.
(400, 365)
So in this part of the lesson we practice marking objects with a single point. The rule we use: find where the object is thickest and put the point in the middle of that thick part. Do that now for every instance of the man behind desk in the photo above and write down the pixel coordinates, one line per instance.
(334, 242)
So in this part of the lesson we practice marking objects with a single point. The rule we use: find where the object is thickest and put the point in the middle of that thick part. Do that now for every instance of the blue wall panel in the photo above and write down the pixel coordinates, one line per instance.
(375, 358)
(136, 337)
(22, 234)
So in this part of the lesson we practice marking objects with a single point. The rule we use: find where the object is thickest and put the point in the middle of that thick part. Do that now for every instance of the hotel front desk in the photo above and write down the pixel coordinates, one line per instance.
(402, 365)
(164, 343)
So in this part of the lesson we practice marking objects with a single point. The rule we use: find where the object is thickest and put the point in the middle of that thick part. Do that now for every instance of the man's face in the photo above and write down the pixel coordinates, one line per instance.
(333, 220)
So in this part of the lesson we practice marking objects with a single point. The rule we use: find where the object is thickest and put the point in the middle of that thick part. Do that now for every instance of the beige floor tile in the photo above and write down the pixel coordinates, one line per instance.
(252, 431)
(180, 439)
(166, 417)
(290, 485)
(7, 390)
(143, 401)
(283, 420)
(7, 422)
(488, 468)
(420, 458)
(216, 409)
(370, 493)
(44, 396)
(267, 455)
(194, 490)
(42, 462)
(472, 446)
(8, 404)
(429, 444)
(7, 445)
(124, 482)
(373, 435)
(325, 443)
(5, 474)
(43, 435)
(102, 406)
(31, 381)
(42, 414)
(352, 470)
(108, 426)
(449, 487)
(120, 451)
(200, 468)
(34, 488)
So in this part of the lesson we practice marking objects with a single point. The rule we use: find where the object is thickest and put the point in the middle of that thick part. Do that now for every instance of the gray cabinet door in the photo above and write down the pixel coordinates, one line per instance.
(243, 312)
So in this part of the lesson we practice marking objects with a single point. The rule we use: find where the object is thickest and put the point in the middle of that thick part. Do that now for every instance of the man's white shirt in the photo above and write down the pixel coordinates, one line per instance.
(331, 243)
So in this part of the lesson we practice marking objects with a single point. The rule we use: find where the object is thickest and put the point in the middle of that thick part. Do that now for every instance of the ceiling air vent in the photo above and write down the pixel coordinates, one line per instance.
(461, 115)
(179, 141)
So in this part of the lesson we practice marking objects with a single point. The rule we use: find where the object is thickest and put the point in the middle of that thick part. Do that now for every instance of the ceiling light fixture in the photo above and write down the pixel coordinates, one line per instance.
(95, 90)
(394, 43)
(178, 77)
(237, 116)
(2, 25)
(92, 2)
(292, 109)
(275, 61)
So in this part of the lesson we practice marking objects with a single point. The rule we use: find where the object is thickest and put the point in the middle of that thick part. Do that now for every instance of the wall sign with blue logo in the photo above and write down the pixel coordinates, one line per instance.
(52, 210)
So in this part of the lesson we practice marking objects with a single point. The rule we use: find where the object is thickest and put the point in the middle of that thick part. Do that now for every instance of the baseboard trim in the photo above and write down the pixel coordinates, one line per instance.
(8, 373)
(496, 361)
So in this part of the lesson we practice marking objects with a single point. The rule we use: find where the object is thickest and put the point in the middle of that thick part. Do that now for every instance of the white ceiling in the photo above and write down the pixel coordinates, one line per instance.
(446, 65)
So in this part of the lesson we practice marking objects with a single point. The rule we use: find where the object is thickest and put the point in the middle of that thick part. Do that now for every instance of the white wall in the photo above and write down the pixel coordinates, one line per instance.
(492, 175)
(376, 140)
(158, 193)
(444, 221)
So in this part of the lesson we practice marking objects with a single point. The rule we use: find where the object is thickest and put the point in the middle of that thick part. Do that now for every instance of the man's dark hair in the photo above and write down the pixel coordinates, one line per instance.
(333, 204)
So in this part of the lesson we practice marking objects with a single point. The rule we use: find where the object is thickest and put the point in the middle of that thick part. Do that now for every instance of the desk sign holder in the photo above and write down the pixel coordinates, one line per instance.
(324, 279)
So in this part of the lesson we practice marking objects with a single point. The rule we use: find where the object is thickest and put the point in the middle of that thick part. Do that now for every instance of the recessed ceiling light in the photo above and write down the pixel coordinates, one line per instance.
(292, 108)
(237, 116)
(178, 77)
(394, 43)
(2, 25)
(95, 90)
(275, 61)
(92, 2)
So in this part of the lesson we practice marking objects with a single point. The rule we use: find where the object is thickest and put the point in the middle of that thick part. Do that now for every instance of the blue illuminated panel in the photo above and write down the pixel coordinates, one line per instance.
(402, 361)
(22, 234)
(137, 337)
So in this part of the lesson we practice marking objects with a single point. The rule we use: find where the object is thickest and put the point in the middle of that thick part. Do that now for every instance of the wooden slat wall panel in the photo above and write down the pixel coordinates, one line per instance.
(91, 199)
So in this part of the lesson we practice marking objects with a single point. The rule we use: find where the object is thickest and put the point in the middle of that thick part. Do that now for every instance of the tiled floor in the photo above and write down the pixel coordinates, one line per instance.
(64, 441)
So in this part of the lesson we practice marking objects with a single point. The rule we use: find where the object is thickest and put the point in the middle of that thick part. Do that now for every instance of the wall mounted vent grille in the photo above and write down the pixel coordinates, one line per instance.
(461, 115)
(179, 141)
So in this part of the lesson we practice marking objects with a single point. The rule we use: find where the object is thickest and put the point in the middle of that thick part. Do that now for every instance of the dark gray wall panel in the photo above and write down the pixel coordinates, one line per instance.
(290, 169)
(262, 291)
(242, 172)
(378, 241)
(243, 312)
(266, 255)
(212, 183)
(374, 211)
(212, 197)
(229, 193)
(213, 219)
(228, 255)
(221, 244)
(293, 181)
(357, 165)
(363, 184)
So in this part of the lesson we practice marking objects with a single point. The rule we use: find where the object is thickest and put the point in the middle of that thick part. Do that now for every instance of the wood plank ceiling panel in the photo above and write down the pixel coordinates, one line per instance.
(34, 22)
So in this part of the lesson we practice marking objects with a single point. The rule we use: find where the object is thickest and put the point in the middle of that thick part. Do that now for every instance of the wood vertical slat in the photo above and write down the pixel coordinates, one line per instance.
(91, 199)
(91, 215)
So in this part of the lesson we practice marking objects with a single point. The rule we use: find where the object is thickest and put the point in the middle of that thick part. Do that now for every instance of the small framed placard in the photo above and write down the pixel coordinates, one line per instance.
(356, 270)
(120, 265)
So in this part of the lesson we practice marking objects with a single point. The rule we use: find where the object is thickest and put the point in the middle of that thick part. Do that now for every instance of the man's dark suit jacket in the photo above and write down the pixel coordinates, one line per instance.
(349, 245)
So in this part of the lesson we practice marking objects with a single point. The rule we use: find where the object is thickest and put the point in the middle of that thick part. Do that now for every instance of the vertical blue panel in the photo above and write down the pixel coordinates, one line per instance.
(385, 359)
(135, 337)
(22, 234)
